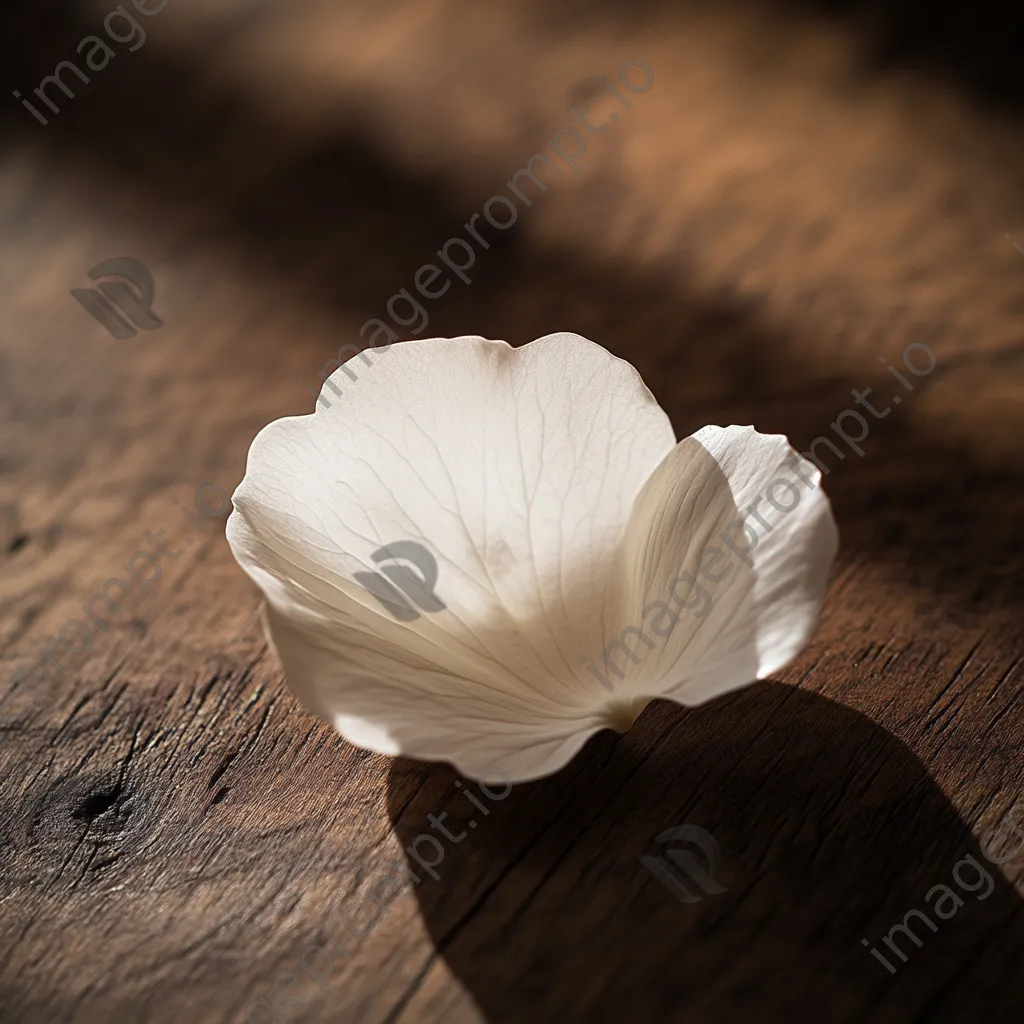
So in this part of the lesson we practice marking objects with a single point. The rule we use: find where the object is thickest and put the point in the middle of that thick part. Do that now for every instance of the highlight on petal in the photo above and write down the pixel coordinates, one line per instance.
(454, 554)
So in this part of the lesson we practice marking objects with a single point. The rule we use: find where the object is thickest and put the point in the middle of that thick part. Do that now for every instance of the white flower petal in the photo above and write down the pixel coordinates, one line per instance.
(385, 699)
(517, 470)
(733, 535)
(538, 494)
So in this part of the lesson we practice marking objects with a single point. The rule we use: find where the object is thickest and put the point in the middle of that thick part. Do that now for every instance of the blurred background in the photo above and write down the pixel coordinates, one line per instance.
(805, 189)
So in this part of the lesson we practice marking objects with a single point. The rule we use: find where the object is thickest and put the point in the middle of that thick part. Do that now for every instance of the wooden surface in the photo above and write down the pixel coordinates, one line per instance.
(780, 211)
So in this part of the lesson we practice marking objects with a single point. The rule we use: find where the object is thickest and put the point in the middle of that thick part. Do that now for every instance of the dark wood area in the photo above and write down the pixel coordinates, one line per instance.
(801, 195)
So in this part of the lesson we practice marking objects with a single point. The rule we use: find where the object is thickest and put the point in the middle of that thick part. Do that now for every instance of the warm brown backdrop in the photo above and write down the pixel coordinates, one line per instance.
(795, 197)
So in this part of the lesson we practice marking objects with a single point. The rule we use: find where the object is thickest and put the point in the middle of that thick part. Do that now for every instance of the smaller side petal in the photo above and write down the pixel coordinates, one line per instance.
(729, 549)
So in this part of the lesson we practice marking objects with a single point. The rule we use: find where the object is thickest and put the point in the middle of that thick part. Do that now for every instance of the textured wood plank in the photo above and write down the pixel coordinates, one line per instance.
(777, 214)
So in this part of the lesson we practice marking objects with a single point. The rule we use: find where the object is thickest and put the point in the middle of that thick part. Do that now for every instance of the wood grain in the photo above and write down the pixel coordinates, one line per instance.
(782, 210)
